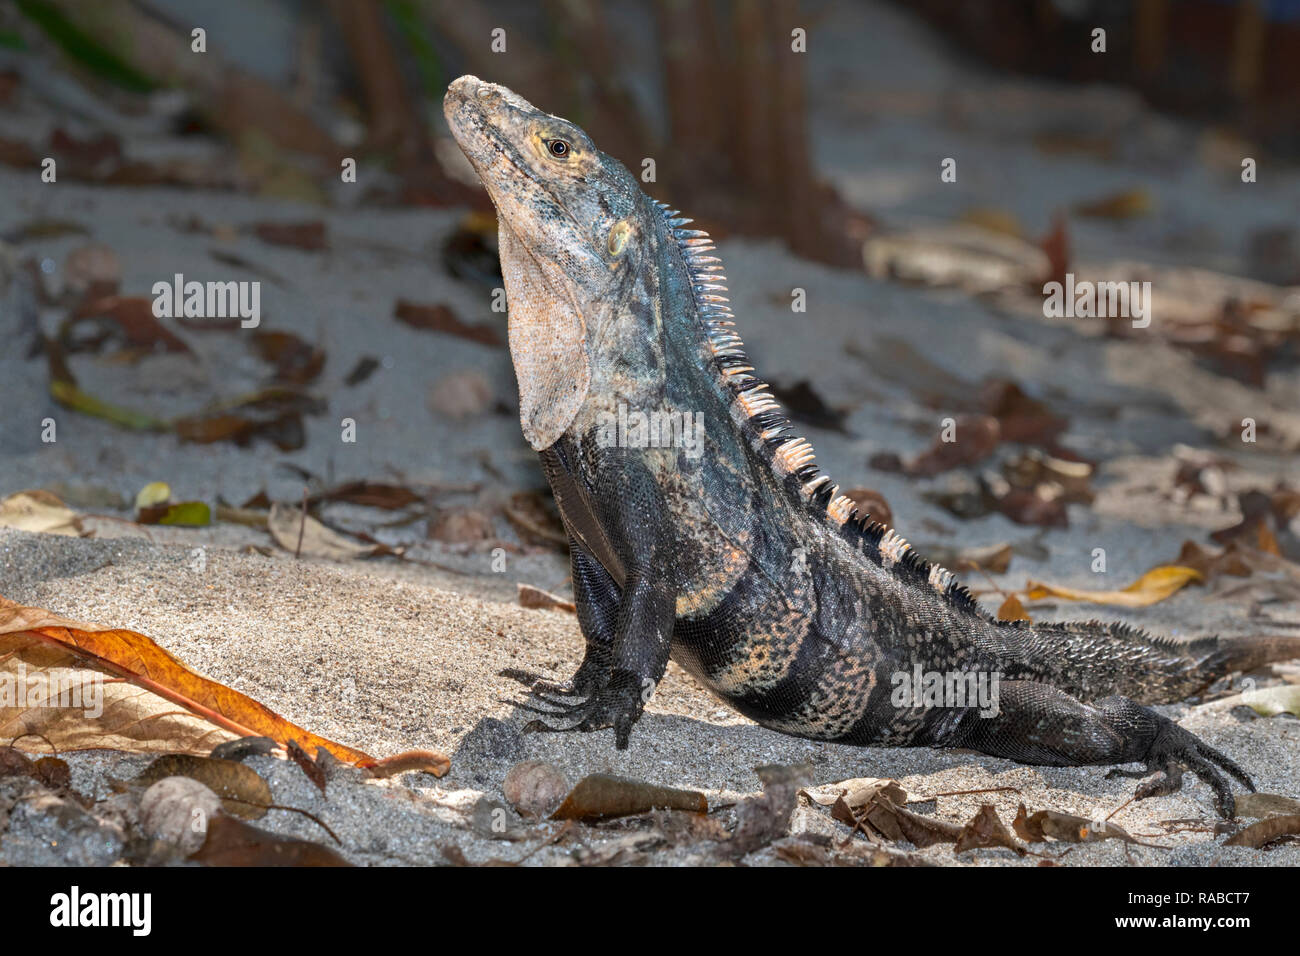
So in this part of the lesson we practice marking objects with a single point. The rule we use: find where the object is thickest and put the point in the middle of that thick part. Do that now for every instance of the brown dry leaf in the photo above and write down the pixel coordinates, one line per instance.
(373, 494)
(274, 413)
(994, 558)
(880, 818)
(1231, 560)
(1020, 418)
(599, 796)
(868, 501)
(534, 597)
(243, 793)
(461, 525)
(528, 512)
(986, 830)
(301, 534)
(856, 792)
(126, 693)
(134, 318)
(39, 511)
(409, 761)
(1266, 831)
(1012, 610)
(976, 438)
(1066, 827)
(1267, 541)
(1035, 469)
(1154, 586)
(1264, 805)
(53, 773)
(315, 772)
(1043, 505)
(311, 236)
(762, 819)
(296, 361)
(440, 318)
(232, 842)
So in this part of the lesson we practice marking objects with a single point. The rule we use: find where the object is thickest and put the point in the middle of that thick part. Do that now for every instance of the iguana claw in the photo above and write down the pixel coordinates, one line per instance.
(618, 704)
(1176, 750)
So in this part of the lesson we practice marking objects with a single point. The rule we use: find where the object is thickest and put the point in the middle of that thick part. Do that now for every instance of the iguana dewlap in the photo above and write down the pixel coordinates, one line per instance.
(701, 530)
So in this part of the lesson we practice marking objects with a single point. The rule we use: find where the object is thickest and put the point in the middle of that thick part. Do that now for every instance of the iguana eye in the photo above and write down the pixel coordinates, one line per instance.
(558, 148)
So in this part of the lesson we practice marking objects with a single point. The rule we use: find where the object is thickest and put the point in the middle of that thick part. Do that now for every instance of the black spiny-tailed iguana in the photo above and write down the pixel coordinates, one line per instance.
(736, 557)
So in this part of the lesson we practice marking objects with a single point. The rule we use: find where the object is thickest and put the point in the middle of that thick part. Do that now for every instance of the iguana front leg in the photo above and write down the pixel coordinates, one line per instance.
(621, 674)
(1037, 723)
(597, 599)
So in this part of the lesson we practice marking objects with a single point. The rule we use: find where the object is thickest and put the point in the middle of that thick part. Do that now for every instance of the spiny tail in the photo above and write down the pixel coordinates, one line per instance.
(1092, 659)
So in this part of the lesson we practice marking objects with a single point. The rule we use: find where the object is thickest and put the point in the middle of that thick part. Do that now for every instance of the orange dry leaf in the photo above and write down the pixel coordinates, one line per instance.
(75, 686)
(1012, 610)
(1156, 585)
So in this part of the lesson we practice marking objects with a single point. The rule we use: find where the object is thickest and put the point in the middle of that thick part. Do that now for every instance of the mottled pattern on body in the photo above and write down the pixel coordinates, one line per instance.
(744, 562)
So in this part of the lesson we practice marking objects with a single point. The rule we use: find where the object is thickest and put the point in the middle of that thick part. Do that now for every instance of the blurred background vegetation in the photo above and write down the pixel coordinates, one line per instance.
(709, 90)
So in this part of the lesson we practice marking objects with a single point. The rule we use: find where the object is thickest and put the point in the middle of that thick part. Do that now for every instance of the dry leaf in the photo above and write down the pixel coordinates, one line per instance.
(1264, 805)
(1012, 610)
(856, 792)
(440, 318)
(39, 511)
(231, 842)
(243, 793)
(1066, 827)
(315, 772)
(303, 535)
(408, 761)
(986, 830)
(599, 796)
(534, 597)
(1154, 586)
(1266, 831)
(123, 692)
(311, 236)
(880, 818)
(1271, 701)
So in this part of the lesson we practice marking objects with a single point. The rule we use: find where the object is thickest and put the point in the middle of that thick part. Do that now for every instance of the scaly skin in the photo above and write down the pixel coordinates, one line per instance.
(735, 556)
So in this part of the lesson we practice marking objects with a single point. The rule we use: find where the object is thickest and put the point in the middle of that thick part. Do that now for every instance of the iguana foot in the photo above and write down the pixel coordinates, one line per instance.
(618, 704)
(1176, 750)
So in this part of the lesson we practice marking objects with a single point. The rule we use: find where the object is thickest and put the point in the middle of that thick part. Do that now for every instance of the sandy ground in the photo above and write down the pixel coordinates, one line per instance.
(390, 665)
(388, 656)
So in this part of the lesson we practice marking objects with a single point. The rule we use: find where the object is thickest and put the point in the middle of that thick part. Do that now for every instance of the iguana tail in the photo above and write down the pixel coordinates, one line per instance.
(1093, 659)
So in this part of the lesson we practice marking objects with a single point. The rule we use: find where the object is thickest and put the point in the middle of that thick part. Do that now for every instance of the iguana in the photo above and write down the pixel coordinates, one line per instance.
(733, 554)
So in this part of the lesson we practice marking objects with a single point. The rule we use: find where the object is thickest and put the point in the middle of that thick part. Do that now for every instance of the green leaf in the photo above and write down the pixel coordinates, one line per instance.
(192, 514)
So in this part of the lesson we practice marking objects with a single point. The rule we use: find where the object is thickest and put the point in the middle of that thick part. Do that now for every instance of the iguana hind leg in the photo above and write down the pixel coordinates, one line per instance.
(1038, 724)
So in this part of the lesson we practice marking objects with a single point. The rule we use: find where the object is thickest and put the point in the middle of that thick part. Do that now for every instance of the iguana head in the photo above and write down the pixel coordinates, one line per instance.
(569, 219)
